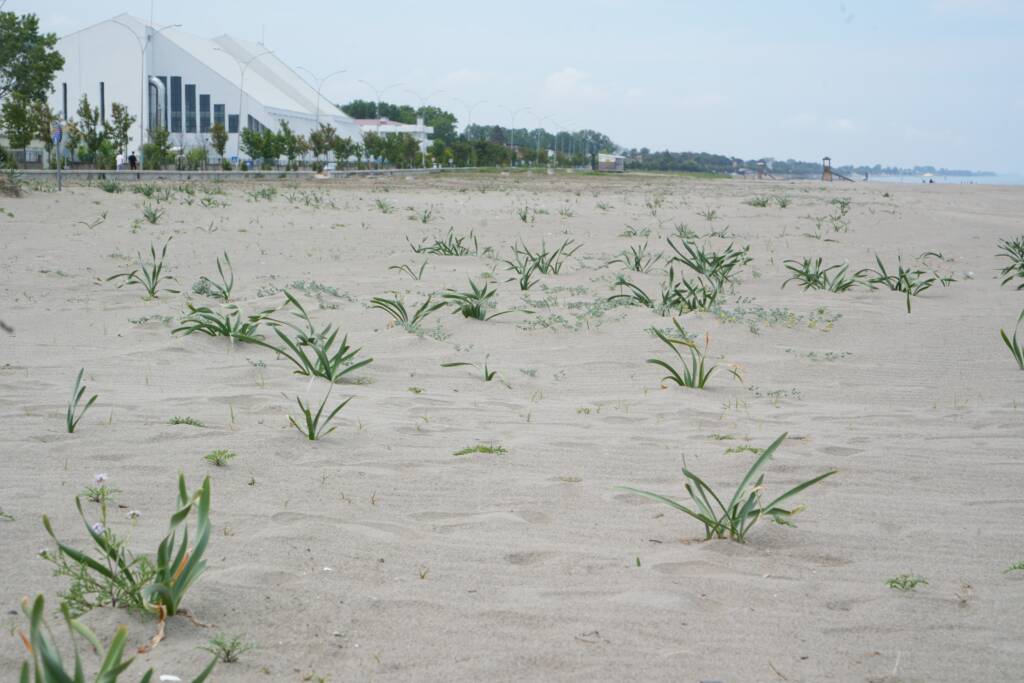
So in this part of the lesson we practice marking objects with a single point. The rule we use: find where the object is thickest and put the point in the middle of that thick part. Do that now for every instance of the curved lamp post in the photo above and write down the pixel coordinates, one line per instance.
(142, 70)
(423, 105)
(469, 112)
(242, 66)
(513, 114)
(319, 85)
(378, 92)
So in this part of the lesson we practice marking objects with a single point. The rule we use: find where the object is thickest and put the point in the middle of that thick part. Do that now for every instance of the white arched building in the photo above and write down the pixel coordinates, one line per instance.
(186, 83)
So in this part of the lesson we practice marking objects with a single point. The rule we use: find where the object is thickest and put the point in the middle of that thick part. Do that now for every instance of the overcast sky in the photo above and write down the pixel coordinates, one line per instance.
(893, 82)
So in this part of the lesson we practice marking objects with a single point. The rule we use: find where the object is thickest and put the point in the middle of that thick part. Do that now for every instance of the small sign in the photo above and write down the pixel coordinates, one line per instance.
(58, 133)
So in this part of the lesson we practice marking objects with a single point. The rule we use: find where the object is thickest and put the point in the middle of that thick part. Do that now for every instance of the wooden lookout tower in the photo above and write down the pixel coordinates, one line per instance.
(826, 169)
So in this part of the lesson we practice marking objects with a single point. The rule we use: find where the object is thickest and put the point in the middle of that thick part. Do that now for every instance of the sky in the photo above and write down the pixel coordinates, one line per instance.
(902, 82)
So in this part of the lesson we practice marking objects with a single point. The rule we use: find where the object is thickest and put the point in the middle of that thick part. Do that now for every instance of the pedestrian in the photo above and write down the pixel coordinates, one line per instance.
(133, 161)
(120, 161)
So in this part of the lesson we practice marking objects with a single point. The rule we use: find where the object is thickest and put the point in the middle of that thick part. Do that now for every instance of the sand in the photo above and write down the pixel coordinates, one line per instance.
(377, 554)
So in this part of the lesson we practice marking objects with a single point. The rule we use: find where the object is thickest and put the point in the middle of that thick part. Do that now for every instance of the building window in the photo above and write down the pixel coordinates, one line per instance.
(232, 123)
(64, 92)
(103, 103)
(190, 108)
(175, 104)
(204, 113)
(254, 124)
(218, 114)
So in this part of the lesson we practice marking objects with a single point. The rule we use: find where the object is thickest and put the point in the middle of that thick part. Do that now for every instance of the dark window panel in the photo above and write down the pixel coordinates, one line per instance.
(204, 113)
(233, 123)
(190, 108)
(175, 104)
(218, 114)
(103, 102)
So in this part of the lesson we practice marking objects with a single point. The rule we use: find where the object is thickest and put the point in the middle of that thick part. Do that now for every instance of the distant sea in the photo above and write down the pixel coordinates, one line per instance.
(999, 179)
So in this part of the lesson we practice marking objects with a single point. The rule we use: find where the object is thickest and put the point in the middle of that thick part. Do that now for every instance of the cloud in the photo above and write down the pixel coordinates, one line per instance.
(570, 82)
(843, 125)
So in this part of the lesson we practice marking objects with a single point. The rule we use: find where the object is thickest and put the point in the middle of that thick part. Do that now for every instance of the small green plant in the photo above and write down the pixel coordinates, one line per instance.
(473, 304)
(911, 282)
(694, 373)
(147, 190)
(525, 269)
(1016, 349)
(906, 582)
(312, 351)
(637, 259)
(414, 274)
(152, 214)
(547, 262)
(384, 206)
(524, 213)
(718, 267)
(424, 216)
(111, 186)
(315, 425)
(95, 222)
(486, 449)
(488, 374)
(1015, 567)
(759, 202)
(190, 421)
(148, 275)
(677, 296)
(264, 193)
(227, 648)
(218, 290)
(781, 201)
(632, 231)
(449, 245)
(735, 519)
(1012, 249)
(73, 414)
(101, 493)
(396, 309)
(811, 275)
(709, 214)
(46, 665)
(683, 232)
(219, 457)
(230, 323)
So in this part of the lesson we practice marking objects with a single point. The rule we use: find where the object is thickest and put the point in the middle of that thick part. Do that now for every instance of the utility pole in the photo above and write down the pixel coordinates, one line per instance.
(242, 66)
(319, 85)
(513, 141)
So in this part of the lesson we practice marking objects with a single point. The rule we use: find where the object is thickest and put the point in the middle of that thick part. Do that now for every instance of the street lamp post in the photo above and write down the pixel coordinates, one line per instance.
(513, 140)
(378, 92)
(423, 105)
(469, 112)
(142, 71)
(242, 66)
(319, 85)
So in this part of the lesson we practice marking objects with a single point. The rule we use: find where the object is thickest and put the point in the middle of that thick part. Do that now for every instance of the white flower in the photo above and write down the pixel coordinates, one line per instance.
(100, 478)
(134, 514)
(97, 528)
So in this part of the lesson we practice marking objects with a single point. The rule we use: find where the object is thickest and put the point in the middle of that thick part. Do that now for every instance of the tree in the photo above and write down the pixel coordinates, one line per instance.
(290, 144)
(120, 123)
(402, 150)
(19, 127)
(442, 121)
(157, 151)
(219, 137)
(322, 139)
(28, 61)
(72, 137)
(344, 148)
(42, 121)
(374, 145)
(94, 131)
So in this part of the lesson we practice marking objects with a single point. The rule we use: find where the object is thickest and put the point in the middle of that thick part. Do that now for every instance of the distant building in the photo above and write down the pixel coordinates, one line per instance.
(186, 84)
(384, 126)
(612, 163)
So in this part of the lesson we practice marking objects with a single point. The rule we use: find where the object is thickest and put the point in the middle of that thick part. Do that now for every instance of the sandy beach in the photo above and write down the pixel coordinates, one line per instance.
(376, 553)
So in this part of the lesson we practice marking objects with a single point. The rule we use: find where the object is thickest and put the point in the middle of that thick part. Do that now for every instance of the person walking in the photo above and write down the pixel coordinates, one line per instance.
(120, 161)
(133, 161)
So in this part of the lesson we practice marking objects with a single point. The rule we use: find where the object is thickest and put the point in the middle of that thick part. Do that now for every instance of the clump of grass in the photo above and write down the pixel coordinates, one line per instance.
(73, 415)
(525, 214)
(218, 290)
(384, 206)
(1012, 249)
(486, 449)
(759, 202)
(190, 421)
(525, 268)
(148, 275)
(746, 507)
(632, 231)
(911, 282)
(45, 664)
(906, 582)
(147, 190)
(219, 457)
(423, 216)
(637, 259)
(315, 425)
(315, 353)
(414, 274)
(1016, 349)
(781, 201)
(152, 214)
(488, 374)
(677, 296)
(1015, 567)
(111, 186)
(475, 303)
(229, 323)
(228, 648)
(449, 245)
(396, 309)
(718, 267)
(547, 262)
(811, 275)
(694, 373)
(264, 193)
